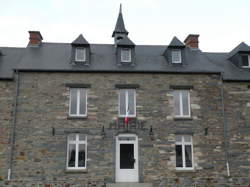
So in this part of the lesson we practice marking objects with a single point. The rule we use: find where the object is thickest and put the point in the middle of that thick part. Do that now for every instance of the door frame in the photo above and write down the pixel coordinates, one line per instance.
(118, 173)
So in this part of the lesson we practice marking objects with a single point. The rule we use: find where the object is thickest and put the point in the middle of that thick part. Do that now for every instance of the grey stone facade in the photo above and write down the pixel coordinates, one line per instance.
(43, 105)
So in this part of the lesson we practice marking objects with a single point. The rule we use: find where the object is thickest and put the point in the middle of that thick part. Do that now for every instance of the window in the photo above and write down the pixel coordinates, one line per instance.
(181, 103)
(245, 61)
(77, 151)
(80, 55)
(184, 152)
(127, 103)
(126, 55)
(78, 102)
(176, 56)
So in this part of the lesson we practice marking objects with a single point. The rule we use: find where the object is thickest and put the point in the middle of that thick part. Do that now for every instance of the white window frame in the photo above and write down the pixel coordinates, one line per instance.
(179, 54)
(181, 105)
(183, 143)
(78, 103)
(122, 51)
(84, 56)
(248, 61)
(126, 102)
(76, 142)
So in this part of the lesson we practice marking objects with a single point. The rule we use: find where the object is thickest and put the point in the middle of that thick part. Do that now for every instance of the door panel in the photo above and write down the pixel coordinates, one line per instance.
(127, 158)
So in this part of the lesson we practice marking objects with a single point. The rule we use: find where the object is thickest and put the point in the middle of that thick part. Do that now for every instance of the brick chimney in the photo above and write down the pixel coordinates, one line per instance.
(192, 41)
(35, 38)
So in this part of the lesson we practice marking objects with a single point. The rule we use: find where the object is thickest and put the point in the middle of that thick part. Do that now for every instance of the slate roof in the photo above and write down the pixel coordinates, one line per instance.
(229, 71)
(56, 57)
(242, 47)
(9, 59)
(80, 40)
(125, 41)
(176, 43)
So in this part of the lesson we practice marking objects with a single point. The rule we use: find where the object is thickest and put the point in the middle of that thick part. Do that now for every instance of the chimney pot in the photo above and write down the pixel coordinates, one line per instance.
(192, 41)
(35, 38)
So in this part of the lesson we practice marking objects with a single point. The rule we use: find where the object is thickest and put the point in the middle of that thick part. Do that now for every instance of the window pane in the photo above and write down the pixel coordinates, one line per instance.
(122, 102)
(126, 55)
(73, 101)
(71, 155)
(187, 138)
(72, 137)
(188, 155)
(176, 56)
(245, 60)
(131, 102)
(81, 155)
(82, 137)
(178, 150)
(185, 103)
(80, 54)
(127, 156)
(82, 101)
(176, 103)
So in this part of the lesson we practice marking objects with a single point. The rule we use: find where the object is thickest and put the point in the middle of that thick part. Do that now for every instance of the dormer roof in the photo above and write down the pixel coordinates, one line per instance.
(176, 43)
(80, 41)
(242, 47)
(120, 26)
(125, 41)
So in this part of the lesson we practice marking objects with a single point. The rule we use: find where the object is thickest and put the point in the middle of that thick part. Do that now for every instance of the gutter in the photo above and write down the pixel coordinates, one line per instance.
(13, 129)
(225, 128)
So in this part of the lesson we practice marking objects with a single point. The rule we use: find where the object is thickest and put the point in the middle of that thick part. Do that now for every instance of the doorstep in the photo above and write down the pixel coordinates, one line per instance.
(129, 184)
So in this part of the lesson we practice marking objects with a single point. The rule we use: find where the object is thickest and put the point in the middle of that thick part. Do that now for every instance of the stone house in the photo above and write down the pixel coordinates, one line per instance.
(81, 114)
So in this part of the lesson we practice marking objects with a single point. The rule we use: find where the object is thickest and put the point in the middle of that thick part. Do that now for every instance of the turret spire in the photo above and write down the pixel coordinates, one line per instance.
(120, 27)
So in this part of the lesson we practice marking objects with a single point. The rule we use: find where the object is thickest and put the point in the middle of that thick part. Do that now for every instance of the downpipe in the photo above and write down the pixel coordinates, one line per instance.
(225, 127)
(13, 130)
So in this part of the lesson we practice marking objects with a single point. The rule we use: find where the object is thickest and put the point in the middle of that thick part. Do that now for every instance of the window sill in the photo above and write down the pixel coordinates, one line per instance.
(185, 171)
(176, 118)
(77, 117)
(76, 170)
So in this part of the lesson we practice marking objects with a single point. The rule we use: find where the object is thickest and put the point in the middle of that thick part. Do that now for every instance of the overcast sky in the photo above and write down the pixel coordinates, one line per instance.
(222, 24)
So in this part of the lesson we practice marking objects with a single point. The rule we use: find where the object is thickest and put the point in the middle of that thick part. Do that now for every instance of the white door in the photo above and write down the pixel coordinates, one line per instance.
(127, 158)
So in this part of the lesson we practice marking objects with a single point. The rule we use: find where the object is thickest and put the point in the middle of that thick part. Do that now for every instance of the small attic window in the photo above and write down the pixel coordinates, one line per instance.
(126, 55)
(245, 61)
(80, 55)
(176, 56)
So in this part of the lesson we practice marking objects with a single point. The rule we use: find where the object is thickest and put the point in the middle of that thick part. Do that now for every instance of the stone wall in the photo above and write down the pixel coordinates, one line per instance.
(43, 106)
(237, 104)
(6, 102)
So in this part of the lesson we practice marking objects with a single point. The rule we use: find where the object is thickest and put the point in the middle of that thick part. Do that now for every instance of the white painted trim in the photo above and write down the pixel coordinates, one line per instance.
(248, 62)
(126, 103)
(135, 175)
(122, 50)
(179, 53)
(78, 103)
(183, 143)
(181, 104)
(77, 142)
(84, 56)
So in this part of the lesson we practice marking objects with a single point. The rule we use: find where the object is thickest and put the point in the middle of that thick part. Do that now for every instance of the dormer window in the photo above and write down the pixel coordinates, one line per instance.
(245, 61)
(126, 55)
(176, 56)
(80, 55)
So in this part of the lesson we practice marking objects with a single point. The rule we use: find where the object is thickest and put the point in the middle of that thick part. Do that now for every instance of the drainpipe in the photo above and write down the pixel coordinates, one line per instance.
(13, 130)
(225, 127)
